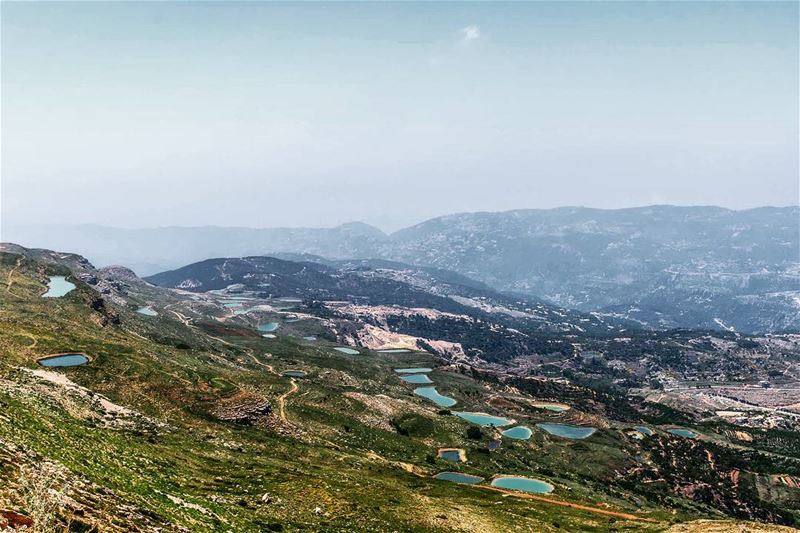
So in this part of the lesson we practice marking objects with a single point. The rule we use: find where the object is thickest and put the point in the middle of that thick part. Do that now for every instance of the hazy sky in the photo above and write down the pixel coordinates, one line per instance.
(256, 114)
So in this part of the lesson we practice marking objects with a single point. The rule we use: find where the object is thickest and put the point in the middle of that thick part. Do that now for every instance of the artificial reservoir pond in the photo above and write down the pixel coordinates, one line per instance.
(57, 287)
(454, 455)
(483, 419)
(348, 351)
(686, 433)
(416, 379)
(415, 370)
(519, 433)
(67, 359)
(524, 484)
(433, 395)
(556, 408)
(457, 477)
(566, 431)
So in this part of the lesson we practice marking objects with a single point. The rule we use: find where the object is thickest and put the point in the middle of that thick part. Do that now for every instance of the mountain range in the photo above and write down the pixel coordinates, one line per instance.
(660, 266)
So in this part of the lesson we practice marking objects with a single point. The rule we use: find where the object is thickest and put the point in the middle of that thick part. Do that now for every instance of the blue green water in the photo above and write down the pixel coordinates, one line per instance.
(70, 359)
(567, 431)
(147, 311)
(310, 338)
(232, 305)
(433, 395)
(457, 477)
(348, 351)
(519, 432)
(644, 430)
(554, 408)
(57, 287)
(417, 379)
(415, 370)
(482, 419)
(687, 433)
(450, 455)
(269, 326)
(525, 484)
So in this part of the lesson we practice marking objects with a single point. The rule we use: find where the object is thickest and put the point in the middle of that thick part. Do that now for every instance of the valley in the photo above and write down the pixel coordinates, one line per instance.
(264, 405)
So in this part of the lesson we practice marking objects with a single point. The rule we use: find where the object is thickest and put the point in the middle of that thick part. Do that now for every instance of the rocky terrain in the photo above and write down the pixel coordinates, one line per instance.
(235, 408)
(662, 266)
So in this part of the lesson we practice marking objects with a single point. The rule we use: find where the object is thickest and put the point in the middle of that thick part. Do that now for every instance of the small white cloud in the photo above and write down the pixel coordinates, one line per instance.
(470, 33)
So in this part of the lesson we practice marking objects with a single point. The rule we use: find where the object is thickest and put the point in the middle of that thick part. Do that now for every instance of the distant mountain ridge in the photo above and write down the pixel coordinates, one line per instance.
(664, 266)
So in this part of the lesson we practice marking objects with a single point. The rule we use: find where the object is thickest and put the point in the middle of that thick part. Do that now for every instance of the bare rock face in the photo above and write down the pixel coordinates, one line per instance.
(116, 272)
(243, 408)
(104, 314)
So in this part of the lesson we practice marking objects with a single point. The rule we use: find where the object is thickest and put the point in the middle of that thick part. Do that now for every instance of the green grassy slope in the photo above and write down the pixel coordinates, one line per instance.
(175, 441)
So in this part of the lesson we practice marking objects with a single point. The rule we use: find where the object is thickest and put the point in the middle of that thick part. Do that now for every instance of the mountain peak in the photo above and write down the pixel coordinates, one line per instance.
(360, 228)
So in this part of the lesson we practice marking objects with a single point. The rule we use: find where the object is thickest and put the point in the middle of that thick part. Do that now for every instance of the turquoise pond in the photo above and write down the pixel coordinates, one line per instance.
(68, 359)
(348, 351)
(681, 432)
(294, 374)
(147, 311)
(433, 395)
(394, 350)
(416, 379)
(566, 431)
(57, 287)
(232, 305)
(415, 370)
(457, 477)
(554, 408)
(310, 338)
(644, 430)
(482, 419)
(519, 432)
(523, 483)
(450, 455)
(269, 326)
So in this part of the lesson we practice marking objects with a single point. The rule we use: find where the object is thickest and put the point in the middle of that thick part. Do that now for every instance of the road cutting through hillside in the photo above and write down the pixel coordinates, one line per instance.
(562, 503)
(11, 275)
(256, 361)
(417, 471)
(282, 400)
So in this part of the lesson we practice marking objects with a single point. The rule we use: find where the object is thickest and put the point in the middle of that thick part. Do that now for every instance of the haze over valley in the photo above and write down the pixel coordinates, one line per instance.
(473, 267)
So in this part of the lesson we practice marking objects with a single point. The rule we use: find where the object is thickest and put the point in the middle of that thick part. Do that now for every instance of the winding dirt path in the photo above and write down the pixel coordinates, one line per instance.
(259, 363)
(562, 503)
(182, 318)
(11, 275)
(282, 400)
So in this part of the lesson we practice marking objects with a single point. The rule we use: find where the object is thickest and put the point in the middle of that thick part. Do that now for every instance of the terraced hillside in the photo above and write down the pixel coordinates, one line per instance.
(184, 418)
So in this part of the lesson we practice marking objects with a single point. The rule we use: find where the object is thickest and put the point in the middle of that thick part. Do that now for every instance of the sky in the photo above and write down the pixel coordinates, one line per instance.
(290, 114)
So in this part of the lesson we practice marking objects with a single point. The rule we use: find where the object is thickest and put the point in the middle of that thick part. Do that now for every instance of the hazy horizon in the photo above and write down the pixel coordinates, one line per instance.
(313, 115)
(390, 231)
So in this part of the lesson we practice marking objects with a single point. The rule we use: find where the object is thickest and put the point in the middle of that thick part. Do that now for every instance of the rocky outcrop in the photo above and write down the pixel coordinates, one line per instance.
(243, 408)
